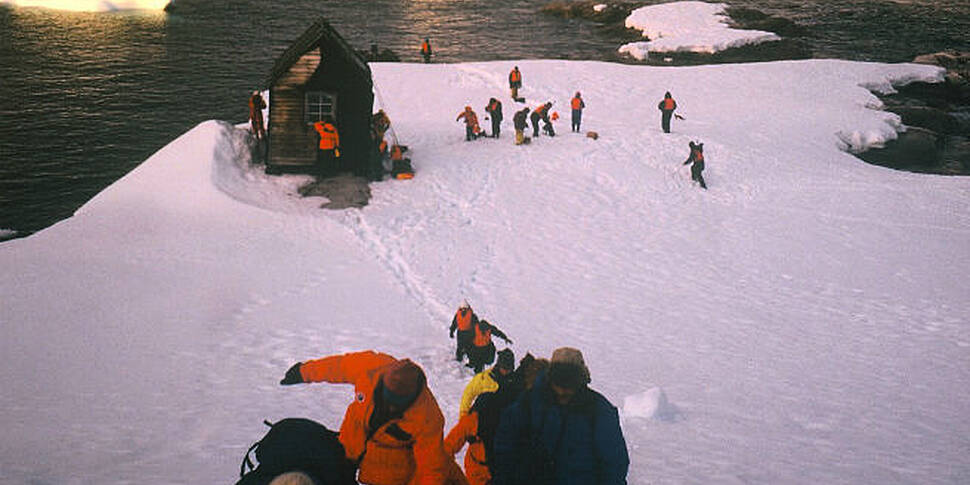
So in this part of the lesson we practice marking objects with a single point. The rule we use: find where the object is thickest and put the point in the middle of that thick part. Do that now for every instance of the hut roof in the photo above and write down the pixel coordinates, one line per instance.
(318, 33)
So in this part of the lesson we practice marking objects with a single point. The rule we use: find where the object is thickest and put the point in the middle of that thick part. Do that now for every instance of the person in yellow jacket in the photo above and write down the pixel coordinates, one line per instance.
(329, 147)
(393, 430)
(488, 380)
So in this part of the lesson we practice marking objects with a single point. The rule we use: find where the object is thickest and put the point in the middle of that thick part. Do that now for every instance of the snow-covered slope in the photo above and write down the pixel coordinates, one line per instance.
(803, 321)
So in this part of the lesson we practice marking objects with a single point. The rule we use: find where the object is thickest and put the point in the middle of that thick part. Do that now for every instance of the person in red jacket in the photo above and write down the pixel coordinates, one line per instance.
(393, 430)
(666, 107)
(577, 106)
(329, 147)
(696, 158)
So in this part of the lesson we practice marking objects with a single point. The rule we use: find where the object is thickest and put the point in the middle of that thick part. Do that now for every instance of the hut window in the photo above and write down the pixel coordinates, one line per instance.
(320, 105)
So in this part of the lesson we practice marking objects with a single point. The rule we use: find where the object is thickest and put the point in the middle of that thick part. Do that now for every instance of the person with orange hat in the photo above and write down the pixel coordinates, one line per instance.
(561, 431)
(577, 106)
(472, 130)
(463, 321)
(393, 430)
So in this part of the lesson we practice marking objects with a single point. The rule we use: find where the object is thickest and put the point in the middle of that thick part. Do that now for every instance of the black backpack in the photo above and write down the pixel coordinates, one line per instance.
(298, 444)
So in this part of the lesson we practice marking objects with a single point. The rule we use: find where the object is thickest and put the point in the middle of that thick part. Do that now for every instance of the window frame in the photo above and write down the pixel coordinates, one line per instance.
(323, 99)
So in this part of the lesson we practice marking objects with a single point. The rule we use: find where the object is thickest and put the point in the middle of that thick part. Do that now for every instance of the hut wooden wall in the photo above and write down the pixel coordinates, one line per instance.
(292, 141)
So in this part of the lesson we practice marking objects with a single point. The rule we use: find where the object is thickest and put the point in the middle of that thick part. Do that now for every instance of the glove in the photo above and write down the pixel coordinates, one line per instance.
(336, 153)
(293, 375)
(508, 341)
(451, 333)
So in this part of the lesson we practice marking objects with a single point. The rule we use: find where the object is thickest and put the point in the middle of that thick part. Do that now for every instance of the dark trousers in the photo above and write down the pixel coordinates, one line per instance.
(695, 173)
(496, 127)
(479, 357)
(665, 120)
(465, 338)
(577, 119)
(469, 133)
(326, 163)
(534, 118)
(427, 58)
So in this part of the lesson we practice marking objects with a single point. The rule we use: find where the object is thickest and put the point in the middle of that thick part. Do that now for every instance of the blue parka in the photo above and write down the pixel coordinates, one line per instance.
(540, 442)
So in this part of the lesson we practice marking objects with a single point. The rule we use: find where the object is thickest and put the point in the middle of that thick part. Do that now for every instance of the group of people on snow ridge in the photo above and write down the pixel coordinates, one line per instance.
(538, 423)
(330, 140)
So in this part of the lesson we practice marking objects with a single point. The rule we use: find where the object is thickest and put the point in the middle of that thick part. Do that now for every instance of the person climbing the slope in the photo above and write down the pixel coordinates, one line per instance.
(393, 429)
(482, 351)
(489, 380)
(463, 321)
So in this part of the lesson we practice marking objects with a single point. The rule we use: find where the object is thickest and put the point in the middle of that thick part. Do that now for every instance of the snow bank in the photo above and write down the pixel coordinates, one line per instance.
(687, 27)
(90, 5)
(756, 332)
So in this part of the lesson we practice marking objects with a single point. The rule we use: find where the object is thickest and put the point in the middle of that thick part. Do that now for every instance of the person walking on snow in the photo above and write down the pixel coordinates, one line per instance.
(482, 351)
(329, 147)
(520, 123)
(256, 107)
(666, 107)
(577, 106)
(494, 110)
(560, 431)
(515, 82)
(488, 380)
(696, 158)
(541, 113)
(463, 321)
(426, 50)
(393, 429)
(472, 129)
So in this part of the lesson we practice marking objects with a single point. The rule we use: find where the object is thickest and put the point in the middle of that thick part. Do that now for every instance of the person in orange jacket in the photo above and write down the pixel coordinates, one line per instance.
(494, 110)
(329, 148)
(541, 113)
(463, 321)
(467, 431)
(696, 159)
(577, 106)
(256, 107)
(393, 430)
(482, 351)
(515, 82)
(666, 107)
(472, 130)
(426, 50)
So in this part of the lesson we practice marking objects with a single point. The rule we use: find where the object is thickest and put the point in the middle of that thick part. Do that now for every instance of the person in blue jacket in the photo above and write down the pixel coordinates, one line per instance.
(561, 432)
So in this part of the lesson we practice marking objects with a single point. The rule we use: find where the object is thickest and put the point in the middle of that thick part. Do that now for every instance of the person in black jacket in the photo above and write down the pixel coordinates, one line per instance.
(560, 432)
(482, 350)
(697, 158)
(666, 107)
(520, 123)
(494, 110)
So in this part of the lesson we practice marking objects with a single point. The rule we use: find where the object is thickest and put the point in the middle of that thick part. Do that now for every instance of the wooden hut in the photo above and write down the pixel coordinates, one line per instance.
(319, 75)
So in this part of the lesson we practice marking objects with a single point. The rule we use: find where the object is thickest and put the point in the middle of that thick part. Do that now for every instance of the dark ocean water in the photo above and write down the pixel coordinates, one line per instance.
(86, 97)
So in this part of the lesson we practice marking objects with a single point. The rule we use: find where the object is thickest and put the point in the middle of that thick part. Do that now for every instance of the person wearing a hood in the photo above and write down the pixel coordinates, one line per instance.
(393, 430)
(520, 123)
(464, 322)
(561, 431)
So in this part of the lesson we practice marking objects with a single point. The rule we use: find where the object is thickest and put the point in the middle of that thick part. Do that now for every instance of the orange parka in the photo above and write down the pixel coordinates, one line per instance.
(329, 138)
(407, 450)
(466, 431)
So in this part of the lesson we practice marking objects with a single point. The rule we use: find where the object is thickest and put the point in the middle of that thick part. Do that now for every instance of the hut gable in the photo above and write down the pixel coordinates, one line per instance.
(319, 75)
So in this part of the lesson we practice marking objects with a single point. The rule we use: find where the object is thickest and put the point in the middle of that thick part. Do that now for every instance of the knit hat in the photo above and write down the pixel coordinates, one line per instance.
(506, 359)
(568, 369)
(403, 380)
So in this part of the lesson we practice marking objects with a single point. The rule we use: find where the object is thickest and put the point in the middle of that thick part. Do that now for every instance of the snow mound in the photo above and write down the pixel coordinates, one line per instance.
(687, 27)
(650, 404)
